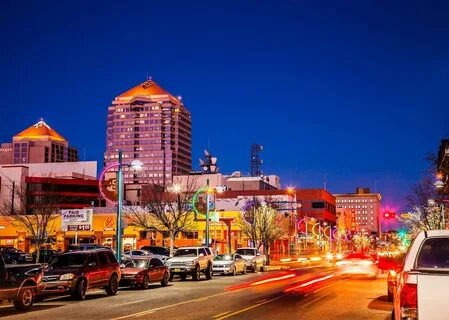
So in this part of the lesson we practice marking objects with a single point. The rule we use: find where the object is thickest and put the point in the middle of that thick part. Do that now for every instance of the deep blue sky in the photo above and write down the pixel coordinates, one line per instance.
(356, 91)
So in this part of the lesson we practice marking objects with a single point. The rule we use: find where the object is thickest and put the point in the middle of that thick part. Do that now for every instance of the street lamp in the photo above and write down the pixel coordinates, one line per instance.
(135, 165)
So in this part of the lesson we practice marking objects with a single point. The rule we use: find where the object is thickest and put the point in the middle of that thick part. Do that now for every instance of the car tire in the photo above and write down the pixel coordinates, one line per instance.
(145, 283)
(24, 300)
(112, 287)
(80, 290)
(164, 281)
(208, 272)
(196, 274)
(183, 276)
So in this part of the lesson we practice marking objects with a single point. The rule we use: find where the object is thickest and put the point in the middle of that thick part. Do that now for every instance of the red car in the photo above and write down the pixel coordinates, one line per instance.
(140, 272)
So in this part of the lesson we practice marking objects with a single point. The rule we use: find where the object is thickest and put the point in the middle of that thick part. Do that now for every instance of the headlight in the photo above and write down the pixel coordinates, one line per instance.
(190, 263)
(168, 263)
(67, 276)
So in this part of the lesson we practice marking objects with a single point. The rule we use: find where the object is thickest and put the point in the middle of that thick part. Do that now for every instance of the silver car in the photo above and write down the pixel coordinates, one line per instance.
(229, 264)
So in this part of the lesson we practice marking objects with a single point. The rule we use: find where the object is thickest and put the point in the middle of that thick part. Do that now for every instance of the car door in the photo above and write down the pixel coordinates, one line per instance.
(203, 258)
(239, 263)
(93, 270)
(105, 269)
(157, 269)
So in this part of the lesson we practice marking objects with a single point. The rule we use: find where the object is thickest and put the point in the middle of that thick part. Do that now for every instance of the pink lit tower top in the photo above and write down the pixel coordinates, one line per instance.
(149, 124)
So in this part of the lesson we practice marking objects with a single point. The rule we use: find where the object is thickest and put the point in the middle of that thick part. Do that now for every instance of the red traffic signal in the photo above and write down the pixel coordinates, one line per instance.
(389, 215)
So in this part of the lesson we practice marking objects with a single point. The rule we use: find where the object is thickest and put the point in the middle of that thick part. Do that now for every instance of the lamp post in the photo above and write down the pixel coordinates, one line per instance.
(136, 165)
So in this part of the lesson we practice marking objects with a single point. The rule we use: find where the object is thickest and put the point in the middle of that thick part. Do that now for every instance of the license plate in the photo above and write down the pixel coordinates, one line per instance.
(176, 270)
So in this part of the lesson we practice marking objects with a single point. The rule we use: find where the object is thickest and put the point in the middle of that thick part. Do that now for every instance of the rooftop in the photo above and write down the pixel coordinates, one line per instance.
(39, 131)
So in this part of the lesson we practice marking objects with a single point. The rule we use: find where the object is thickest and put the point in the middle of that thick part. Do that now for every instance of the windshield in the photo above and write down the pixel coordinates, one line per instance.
(186, 252)
(136, 263)
(223, 257)
(246, 252)
(69, 261)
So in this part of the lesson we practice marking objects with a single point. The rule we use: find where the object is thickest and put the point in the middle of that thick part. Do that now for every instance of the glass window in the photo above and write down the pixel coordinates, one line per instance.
(103, 259)
(156, 263)
(434, 254)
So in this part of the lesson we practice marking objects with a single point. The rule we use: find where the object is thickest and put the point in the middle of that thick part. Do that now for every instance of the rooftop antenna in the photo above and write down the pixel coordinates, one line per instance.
(324, 183)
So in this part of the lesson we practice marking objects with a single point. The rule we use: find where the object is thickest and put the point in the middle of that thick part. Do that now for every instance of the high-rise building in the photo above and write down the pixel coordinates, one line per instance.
(361, 210)
(149, 124)
(37, 144)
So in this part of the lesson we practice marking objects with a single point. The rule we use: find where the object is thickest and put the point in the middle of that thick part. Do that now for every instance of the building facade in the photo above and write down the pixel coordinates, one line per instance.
(149, 124)
(37, 144)
(361, 209)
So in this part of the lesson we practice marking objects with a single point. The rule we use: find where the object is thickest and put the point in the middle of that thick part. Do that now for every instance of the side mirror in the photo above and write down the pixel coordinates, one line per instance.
(92, 264)
(258, 254)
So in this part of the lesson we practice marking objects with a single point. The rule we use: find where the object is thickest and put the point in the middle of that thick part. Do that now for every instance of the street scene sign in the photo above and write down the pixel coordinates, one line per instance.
(76, 220)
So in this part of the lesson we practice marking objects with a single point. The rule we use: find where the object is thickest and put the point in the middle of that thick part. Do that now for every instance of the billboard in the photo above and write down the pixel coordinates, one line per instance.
(76, 219)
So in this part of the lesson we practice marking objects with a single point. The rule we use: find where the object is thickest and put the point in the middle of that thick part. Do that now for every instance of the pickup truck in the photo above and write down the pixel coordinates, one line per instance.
(254, 260)
(19, 283)
(191, 261)
(420, 291)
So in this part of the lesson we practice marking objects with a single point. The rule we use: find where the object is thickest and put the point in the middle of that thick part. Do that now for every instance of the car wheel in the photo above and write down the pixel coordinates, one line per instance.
(80, 290)
(196, 274)
(208, 272)
(183, 276)
(164, 281)
(112, 287)
(25, 299)
(145, 283)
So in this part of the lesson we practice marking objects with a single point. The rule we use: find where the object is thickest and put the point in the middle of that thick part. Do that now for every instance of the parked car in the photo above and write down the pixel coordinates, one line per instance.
(357, 264)
(75, 272)
(19, 283)
(191, 261)
(229, 264)
(140, 272)
(421, 287)
(159, 252)
(254, 259)
(45, 255)
(12, 255)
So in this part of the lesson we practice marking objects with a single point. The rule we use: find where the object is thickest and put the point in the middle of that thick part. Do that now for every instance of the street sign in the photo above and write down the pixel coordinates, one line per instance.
(76, 220)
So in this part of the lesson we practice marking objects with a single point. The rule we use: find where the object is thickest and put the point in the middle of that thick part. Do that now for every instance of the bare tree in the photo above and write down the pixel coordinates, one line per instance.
(36, 214)
(165, 210)
(263, 224)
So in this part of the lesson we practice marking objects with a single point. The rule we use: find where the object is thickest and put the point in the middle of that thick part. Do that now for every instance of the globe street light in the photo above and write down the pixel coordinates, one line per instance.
(135, 165)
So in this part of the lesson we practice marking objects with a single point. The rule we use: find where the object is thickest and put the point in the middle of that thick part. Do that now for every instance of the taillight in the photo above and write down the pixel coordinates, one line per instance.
(409, 302)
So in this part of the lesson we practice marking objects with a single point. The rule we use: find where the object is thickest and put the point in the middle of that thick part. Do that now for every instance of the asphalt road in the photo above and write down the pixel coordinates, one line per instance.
(317, 295)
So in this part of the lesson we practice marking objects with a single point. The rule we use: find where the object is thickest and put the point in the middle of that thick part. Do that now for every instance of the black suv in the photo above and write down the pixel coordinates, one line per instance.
(19, 283)
(13, 256)
(75, 272)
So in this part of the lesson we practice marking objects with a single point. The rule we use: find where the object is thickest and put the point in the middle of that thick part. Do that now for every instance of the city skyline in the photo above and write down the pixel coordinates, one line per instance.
(294, 78)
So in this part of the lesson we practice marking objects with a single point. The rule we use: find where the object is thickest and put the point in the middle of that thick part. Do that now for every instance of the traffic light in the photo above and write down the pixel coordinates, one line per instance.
(389, 215)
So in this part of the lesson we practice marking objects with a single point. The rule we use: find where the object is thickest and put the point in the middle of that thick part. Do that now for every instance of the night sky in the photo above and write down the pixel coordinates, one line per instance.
(354, 93)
